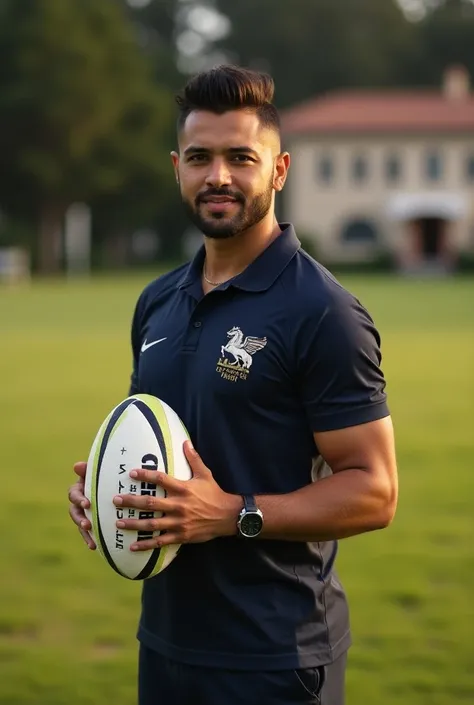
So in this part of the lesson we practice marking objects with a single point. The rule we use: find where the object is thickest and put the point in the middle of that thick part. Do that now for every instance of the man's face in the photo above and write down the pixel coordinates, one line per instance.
(228, 168)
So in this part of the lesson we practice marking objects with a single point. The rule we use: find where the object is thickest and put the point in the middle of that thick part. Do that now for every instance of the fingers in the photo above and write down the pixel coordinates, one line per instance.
(83, 524)
(198, 467)
(78, 517)
(161, 524)
(161, 479)
(80, 469)
(146, 502)
(88, 540)
(76, 495)
(156, 542)
(172, 531)
(79, 502)
(76, 491)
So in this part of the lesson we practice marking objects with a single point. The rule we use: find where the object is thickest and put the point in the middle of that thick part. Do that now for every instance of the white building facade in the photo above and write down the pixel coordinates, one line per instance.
(375, 173)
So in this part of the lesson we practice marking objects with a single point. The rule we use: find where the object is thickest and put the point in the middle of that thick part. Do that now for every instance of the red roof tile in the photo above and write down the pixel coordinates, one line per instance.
(369, 112)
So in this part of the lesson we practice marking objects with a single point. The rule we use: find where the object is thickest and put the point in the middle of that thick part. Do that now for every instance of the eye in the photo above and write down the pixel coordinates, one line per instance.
(197, 158)
(242, 158)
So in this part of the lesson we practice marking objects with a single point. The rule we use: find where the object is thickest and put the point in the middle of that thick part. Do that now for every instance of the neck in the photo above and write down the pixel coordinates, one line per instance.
(227, 258)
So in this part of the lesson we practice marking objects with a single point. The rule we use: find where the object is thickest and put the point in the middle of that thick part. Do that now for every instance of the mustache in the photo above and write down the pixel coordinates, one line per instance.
(236, 195)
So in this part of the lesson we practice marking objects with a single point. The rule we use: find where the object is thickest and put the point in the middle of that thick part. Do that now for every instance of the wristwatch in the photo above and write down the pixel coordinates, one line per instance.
(250, 522)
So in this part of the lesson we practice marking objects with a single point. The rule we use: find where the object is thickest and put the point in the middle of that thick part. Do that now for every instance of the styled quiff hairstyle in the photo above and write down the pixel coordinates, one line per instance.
(228, 87)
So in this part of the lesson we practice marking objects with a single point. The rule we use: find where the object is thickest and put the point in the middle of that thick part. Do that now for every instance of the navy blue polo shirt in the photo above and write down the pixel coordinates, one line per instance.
(254, 368)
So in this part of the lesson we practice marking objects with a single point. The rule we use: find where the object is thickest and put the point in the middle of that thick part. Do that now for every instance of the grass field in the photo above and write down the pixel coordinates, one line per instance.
(67, 623)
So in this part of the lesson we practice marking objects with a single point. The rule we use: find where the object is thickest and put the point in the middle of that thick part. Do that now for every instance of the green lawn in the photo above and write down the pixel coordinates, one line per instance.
(67, 623)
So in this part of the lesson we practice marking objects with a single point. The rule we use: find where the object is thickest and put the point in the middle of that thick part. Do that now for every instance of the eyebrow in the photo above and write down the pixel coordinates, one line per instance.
(193, 149)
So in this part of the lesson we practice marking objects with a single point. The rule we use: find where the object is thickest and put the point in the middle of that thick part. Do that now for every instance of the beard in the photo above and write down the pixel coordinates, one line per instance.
(221, 226)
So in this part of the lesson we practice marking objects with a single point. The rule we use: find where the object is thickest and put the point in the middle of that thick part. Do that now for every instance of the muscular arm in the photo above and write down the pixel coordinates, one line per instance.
(360, 496)
(342, 389)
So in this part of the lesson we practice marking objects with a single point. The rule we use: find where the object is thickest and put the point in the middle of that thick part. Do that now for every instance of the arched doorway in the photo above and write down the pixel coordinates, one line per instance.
(432, 237)
(359, 230)
(427, 222)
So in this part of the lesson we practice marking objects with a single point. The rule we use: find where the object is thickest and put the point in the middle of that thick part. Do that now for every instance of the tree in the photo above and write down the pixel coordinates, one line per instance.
(80, 114)
(156, 24)
(447, 37)
(311, 46)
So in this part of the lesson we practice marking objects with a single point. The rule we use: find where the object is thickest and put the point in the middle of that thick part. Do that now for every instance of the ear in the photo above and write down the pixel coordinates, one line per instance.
(282, 164)
(175, 161)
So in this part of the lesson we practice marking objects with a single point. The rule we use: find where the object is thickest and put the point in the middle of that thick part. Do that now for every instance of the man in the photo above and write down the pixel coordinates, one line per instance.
(274, 369)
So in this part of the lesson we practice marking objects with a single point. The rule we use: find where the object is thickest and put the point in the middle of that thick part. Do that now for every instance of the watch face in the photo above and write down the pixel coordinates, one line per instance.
(251, 524)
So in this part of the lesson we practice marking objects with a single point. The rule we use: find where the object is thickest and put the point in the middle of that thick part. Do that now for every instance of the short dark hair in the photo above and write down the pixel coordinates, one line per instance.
(229, 87)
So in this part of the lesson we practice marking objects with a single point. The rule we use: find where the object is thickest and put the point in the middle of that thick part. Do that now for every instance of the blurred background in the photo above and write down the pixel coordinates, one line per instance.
(377, 105)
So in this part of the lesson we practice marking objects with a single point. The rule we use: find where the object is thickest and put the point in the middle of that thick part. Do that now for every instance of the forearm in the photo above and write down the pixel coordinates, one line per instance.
(342, 505)
(345, 504)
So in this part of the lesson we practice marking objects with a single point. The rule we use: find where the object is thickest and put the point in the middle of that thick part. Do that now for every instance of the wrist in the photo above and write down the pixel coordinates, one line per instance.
(232, 506)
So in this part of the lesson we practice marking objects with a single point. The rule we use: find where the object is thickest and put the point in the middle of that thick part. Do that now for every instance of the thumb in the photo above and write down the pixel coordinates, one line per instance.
(194, 459)
(80, 469)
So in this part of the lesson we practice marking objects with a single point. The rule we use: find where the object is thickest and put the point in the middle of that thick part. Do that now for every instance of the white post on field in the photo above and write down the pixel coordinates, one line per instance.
(77, 239)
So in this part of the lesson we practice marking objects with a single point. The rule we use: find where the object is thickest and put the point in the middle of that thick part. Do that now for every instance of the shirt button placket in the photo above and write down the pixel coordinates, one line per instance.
(193, 335)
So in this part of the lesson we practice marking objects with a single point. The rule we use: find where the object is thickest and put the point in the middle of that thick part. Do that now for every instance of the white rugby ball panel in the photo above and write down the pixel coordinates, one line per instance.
(142, 431)
(90, 482)
(117, 457)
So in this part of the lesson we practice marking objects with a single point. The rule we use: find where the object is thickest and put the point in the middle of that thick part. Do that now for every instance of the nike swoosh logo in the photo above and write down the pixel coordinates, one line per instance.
(146, 345)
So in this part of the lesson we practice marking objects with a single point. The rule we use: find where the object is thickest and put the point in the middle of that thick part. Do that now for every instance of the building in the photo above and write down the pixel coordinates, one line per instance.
(377, 172)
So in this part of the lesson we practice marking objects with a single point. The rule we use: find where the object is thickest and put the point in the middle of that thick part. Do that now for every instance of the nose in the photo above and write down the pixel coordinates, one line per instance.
(218, 174)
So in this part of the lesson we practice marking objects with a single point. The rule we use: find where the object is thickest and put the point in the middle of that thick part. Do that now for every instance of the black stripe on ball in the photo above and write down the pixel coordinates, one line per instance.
(110, 426)
(148, 569)
(150, 417)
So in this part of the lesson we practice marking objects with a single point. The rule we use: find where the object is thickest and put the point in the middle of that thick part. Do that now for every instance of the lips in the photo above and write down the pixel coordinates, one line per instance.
(217, 207)
(218, 199)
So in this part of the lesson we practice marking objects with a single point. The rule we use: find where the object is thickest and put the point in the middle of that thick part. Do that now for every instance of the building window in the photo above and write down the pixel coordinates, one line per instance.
(325, 169)
(359, 231)
(393, 169)
(470, 168)
(433, 166)
(360, 169)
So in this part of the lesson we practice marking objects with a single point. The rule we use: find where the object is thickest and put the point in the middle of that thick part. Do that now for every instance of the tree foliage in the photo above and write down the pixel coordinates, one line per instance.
(79, 113)
(447, 37)
(86, 109)
(311, 46)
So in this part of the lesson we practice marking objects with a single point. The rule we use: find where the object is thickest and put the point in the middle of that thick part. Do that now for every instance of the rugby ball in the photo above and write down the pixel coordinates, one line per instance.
(140, 432)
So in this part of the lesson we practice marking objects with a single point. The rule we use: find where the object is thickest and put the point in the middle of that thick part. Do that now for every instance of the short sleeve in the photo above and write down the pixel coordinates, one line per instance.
(338, 360)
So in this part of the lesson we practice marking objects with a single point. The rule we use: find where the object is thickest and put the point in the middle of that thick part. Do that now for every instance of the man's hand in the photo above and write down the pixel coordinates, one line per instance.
(194, 511)
(78, 503)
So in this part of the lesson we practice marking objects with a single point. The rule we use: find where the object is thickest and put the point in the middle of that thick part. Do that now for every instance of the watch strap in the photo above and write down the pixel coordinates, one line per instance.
(250, 505)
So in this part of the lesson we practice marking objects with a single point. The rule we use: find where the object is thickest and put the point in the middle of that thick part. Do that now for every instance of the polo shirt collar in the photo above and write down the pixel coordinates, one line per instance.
(261, 273)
